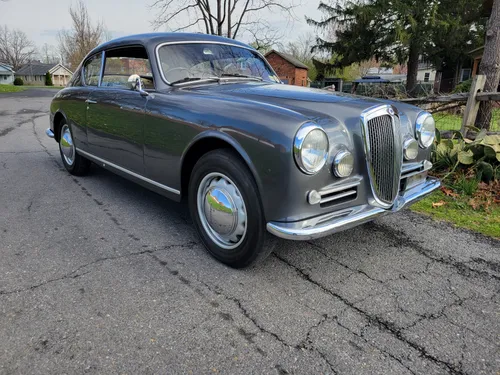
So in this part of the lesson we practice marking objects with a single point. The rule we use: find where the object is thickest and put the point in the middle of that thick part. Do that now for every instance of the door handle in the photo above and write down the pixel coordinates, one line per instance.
(90, 101)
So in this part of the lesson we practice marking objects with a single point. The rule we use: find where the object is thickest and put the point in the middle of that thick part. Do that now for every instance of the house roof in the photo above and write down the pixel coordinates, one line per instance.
(292, 60)
(39, 69)
(7, 67)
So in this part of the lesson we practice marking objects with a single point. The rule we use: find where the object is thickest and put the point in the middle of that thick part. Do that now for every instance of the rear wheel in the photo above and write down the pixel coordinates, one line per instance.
(226, 209)
(73, 162)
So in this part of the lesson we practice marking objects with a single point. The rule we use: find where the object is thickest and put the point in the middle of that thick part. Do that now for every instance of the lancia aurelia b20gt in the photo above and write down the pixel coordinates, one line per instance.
(207, 119)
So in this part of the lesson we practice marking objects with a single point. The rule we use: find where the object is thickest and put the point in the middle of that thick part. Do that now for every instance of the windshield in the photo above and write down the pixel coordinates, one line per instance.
(195, 61)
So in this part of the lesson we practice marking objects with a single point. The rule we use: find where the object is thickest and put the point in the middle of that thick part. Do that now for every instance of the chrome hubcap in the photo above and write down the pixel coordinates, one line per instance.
(221, 210)
(66, 145)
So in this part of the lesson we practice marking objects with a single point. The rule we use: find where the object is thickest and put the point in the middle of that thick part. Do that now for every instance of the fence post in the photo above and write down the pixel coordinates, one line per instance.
(472, 106)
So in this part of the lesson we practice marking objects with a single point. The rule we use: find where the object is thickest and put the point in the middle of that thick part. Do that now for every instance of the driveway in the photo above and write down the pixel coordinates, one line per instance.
(98, 275)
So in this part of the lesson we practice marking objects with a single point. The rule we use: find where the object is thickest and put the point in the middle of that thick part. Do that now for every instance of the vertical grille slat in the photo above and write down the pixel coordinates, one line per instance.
(383, 156)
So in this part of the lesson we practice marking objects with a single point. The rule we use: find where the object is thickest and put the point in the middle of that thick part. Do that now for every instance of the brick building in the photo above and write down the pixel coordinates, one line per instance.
(290, 70)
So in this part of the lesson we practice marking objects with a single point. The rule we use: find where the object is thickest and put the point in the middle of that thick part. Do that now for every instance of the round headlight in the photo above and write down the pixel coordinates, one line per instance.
(310, 148)
(425, 129)
(410, 149)
(343, 164)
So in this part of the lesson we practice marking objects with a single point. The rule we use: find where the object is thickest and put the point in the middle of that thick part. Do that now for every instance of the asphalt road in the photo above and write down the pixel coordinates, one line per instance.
(98, 275)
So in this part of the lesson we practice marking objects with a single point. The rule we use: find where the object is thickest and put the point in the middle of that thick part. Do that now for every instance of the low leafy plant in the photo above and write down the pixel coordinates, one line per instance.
(18, 81)
(482, 155)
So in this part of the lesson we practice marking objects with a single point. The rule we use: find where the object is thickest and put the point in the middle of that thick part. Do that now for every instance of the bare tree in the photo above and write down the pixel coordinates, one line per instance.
(301, 49)
(48, 54)
(15, 47)
(218, 17)
(265, 38)
(490, 64)
(75, 44)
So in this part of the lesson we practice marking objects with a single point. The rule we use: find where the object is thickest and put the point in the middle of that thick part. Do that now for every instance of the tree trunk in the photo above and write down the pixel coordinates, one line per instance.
(229, 18)
(219, 17)
(411, 76)
(490, 65)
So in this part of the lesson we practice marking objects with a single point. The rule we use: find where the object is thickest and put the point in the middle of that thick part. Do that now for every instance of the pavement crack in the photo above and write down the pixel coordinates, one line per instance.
(463, 269)
(375, 320)
(275, 336)
(382, 350)
(75, 273)
(323, 252)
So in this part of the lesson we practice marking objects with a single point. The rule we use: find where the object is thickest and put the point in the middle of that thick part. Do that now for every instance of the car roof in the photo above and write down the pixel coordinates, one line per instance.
(153, 39)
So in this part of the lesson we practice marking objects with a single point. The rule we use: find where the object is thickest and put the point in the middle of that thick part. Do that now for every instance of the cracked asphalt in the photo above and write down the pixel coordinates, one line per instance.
(98, 275)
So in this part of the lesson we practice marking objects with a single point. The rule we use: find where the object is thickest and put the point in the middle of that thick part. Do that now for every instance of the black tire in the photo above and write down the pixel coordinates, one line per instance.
(80, 165)
(255, 245)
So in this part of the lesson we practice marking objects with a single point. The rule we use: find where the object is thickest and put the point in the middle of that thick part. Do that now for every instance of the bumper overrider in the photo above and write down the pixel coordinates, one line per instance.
(333, 222)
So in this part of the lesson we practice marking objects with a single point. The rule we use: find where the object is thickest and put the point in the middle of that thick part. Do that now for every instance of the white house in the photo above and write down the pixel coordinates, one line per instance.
(6, 74)
(33, 73)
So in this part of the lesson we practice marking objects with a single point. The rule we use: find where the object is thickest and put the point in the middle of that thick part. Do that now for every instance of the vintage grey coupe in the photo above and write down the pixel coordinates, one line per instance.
(207, 119)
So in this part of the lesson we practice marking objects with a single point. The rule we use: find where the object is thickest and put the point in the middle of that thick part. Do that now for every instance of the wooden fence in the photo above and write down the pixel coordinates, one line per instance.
(472, 99)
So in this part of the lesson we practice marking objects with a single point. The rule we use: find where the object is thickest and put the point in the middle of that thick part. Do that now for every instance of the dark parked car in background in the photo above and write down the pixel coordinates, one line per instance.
(206, 118)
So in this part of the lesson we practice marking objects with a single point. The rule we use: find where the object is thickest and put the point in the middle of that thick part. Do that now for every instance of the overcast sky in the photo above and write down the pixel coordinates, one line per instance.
(41, 20)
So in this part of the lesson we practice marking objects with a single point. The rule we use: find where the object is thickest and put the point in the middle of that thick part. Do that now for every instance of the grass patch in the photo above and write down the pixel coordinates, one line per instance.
(11, 88)
(458, 211)
(447, 121)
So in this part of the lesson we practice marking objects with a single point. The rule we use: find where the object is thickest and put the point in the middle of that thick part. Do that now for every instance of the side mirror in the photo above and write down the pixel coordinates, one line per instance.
(139, 88)
(136, 84)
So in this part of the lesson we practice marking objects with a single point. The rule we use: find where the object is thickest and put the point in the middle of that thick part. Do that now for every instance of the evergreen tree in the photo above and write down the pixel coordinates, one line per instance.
(48, 79)
(395, 31)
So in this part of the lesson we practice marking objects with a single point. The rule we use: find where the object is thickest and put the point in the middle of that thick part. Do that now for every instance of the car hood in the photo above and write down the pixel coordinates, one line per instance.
(312, 103)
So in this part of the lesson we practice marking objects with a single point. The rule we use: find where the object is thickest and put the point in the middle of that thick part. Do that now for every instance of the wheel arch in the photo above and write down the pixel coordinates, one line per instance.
(58, 117)
(206, 142)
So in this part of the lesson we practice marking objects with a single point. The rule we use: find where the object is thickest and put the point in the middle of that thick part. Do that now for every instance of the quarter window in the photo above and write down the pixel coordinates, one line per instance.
(93, 70)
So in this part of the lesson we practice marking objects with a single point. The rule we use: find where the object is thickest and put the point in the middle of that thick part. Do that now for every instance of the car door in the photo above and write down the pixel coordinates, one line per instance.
(116, 112)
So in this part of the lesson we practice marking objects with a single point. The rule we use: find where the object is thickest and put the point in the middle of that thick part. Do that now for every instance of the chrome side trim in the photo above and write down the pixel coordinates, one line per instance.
(158, 62)
(105, 163)
(49, 133)
(337, 221)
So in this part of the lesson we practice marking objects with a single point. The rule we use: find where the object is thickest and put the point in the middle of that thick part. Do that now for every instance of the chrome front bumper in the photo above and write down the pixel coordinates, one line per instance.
(333, 222)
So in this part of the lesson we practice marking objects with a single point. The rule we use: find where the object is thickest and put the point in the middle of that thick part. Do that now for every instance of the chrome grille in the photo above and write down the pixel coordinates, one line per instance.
(384, 153)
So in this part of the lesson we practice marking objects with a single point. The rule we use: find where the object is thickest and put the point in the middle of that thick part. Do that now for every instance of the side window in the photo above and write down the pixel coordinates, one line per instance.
(92, 70)
(125, 65)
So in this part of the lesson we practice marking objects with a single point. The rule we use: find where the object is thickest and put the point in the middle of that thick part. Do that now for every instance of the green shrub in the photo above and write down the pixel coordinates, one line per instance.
(463, 86)
(48, 79)
(18, 81)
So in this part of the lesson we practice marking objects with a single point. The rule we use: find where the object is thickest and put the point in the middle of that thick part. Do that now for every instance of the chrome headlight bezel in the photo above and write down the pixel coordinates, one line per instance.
(424, 132)
(298, 144)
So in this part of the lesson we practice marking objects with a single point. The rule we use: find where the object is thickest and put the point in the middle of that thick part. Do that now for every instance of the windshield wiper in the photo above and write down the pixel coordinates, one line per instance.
(193, 79)
(237, 75)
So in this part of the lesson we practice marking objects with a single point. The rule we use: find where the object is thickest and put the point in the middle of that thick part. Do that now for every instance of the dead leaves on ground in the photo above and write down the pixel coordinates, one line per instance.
(486, 195)
(438, 204)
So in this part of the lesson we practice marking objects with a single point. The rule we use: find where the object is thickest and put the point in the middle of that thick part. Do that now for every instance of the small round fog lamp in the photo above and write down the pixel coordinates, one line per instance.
(410, 149)
(343, 164)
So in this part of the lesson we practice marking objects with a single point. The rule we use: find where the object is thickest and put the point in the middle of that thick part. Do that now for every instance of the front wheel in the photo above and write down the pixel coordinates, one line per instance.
(226, 209)
(73, 162)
